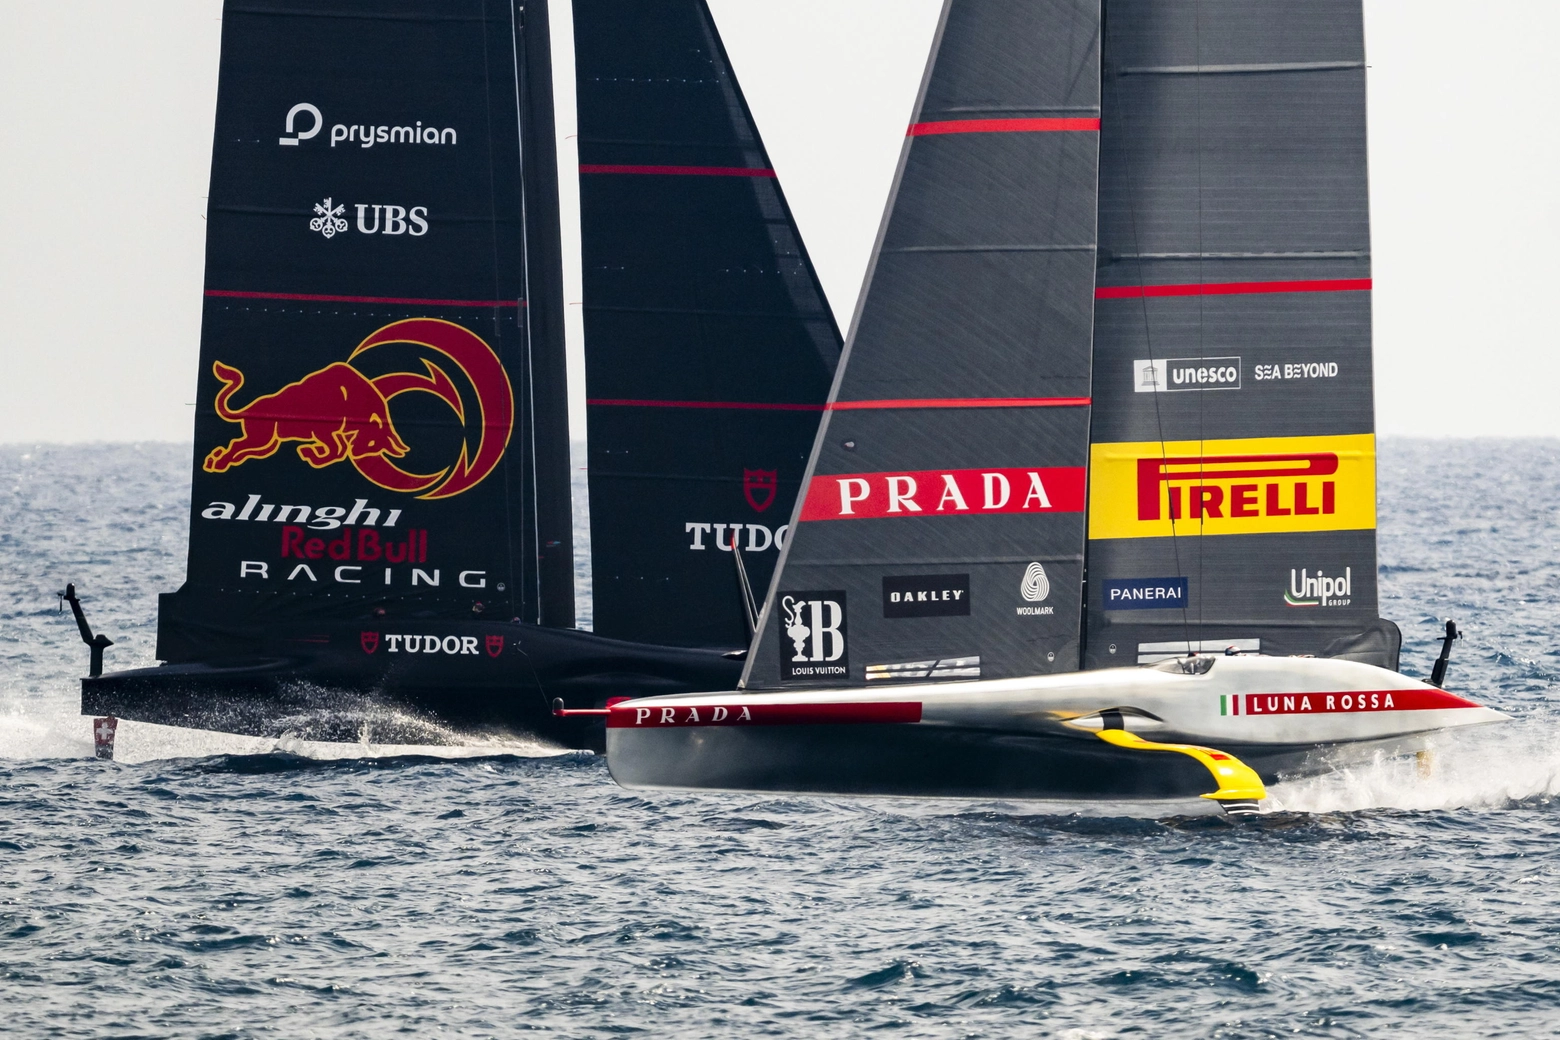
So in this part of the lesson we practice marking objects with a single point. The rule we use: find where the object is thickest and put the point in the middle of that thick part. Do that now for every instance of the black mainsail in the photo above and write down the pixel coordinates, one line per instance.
(709, 346)
(941, 533)
(1232, 479)
(383, 300)
(381, 508)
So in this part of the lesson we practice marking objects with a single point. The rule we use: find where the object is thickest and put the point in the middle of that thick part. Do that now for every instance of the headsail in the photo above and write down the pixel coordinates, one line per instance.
(1232, 493)
(941, 533)
(380, 425)
(709, 344)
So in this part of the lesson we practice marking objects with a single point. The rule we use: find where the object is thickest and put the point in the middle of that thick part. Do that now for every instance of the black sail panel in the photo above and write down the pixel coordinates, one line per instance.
(942, 531)
(709, 344)
(380, 423)
(1232, 490)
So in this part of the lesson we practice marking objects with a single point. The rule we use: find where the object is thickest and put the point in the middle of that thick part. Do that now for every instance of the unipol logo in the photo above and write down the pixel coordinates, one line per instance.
(812, 635)
(338, 414)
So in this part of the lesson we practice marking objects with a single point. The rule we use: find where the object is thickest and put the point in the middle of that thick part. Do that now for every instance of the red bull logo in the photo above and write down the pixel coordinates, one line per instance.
(337, 413)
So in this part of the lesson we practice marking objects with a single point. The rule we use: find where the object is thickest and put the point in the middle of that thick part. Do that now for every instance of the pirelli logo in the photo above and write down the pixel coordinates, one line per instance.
(1256, 486)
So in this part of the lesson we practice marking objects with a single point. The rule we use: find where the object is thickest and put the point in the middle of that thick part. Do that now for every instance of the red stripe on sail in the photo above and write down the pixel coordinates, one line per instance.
(652, 716)
(938, 493)
(1000, 126)
(412, 301)
(1125, 292)
(1347, 701)
(752, 406)
(678, 171)
(962, 402)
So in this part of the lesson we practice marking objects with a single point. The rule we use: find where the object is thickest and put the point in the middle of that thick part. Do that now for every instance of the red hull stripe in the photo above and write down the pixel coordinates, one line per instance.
(631, 716)
(1347, 702)
(999, 126)
(751, 406)
(963, 402)
(679, 171)
(322, 298)
(1132, 292)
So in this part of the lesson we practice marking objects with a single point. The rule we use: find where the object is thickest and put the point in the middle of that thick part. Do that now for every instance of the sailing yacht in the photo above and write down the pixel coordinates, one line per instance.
(1091, 511)
(381, 507)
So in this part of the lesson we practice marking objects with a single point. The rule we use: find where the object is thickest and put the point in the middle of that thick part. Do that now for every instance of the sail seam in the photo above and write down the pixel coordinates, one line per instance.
(1002, 126)
(327, 298)
(963, 402)
(764, 406)
(1122, 292)
(1087, 247)
(678, 171)
(1200, 70)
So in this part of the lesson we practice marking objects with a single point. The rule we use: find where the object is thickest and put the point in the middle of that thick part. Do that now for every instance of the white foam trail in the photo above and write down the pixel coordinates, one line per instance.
(32, 737)
(1486, 768)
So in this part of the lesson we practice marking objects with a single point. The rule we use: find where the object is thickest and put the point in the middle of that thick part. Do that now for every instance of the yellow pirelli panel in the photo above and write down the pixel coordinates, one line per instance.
(1252, 486)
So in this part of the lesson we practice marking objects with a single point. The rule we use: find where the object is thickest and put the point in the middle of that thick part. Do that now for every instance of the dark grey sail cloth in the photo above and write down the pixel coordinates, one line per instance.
(941, 534)
(1232, 494)
(709, 345)
(381, 430)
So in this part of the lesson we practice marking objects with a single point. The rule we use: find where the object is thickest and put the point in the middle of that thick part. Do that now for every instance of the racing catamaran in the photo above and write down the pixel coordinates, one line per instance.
(381, 498)
(1092, 509)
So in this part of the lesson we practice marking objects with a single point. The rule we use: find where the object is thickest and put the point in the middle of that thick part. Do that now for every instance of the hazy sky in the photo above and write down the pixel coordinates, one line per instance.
(107, 108)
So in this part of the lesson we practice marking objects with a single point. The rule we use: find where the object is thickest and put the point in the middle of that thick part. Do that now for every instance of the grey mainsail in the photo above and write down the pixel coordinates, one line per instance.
(1232, 477)
(940, 530)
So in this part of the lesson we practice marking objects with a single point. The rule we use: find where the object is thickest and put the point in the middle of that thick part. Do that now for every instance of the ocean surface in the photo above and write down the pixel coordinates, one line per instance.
(212, 886)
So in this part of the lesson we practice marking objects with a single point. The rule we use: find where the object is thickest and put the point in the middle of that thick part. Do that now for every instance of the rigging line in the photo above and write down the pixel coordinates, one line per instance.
(1202, 322)
(530, 554)
(1148, 335)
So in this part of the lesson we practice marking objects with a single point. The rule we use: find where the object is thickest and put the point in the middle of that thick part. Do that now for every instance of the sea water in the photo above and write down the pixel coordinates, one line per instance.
(213, 886)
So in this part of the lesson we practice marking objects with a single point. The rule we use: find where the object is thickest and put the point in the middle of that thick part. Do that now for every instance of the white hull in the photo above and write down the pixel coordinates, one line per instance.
(1031, 737)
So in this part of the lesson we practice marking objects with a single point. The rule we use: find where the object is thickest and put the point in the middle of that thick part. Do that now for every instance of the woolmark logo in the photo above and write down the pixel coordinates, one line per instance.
(304, 122)
(1151, 376)
(812, 635)
(1035, 587)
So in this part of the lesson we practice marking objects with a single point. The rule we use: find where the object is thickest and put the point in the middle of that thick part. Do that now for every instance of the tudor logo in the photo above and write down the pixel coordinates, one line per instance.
(812, 635)
(369, 641)
(1248, 486)
(495, 645)
(758, 487)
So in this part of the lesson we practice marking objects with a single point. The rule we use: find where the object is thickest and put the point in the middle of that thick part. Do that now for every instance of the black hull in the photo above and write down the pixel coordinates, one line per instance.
(934, 762)
(483, 678)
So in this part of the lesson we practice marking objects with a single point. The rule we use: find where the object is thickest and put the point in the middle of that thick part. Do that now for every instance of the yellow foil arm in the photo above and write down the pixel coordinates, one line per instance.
(1237, 781)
